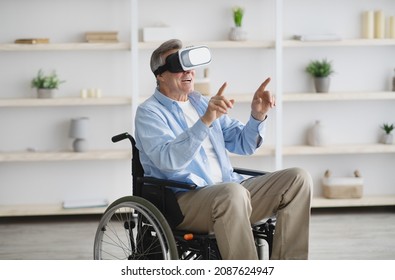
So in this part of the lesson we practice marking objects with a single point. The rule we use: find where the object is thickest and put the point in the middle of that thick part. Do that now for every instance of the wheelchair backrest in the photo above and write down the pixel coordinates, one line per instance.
(137, 169)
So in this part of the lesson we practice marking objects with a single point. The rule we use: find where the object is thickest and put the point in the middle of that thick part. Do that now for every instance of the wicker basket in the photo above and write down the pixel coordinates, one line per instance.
(342, 187)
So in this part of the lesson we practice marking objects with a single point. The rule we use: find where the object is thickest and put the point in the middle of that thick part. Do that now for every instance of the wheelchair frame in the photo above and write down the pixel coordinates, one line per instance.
(142, 226)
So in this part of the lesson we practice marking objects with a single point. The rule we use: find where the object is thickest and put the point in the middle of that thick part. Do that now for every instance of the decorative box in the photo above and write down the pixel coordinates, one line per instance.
(342, 187)
(158, 34)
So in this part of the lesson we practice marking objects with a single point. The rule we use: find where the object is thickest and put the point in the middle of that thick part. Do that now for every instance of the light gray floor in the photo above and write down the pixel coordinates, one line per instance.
(335, 235)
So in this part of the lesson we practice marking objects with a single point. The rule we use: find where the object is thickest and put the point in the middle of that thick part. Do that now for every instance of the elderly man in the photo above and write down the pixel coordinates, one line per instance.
(184, 136)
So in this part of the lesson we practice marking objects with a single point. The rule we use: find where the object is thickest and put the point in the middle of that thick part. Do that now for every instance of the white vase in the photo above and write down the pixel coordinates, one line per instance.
(79, 131)
(237, 34)
(316, 135)
(387, 139)
(80, 145)
(45, 93)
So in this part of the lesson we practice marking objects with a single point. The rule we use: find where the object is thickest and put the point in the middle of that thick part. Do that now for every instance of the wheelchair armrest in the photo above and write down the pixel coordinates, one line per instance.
(248, 172)
(166, 183)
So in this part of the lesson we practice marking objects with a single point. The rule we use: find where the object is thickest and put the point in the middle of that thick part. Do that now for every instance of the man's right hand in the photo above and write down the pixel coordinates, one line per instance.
(217, 106)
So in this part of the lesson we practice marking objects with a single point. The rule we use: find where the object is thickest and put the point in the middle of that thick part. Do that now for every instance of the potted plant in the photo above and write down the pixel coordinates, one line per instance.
(320, 70)
(46, 84)
(237, 33)
(387, 137)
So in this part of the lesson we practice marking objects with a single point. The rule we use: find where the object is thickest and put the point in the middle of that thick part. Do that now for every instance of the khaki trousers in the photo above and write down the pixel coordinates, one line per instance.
(229, 209)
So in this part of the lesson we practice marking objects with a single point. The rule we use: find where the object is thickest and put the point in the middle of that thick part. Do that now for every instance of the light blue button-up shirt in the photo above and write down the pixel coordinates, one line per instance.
(169, 149)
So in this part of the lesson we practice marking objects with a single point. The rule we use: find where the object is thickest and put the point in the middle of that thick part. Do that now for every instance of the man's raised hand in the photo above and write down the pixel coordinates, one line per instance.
(217, 106)
(262, 102)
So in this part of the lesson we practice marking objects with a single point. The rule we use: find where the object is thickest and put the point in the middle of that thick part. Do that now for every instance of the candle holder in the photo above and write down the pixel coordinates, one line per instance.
(78, 132)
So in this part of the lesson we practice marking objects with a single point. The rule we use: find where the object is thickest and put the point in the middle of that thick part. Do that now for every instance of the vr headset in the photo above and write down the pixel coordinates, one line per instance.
(185, 59)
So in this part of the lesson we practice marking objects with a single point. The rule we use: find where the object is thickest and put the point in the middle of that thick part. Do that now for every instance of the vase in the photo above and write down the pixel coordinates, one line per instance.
(237, 34)
(321, 84)
(45, 93)
(80, 145)
(316, 135)
(79, 131)
(387, 139)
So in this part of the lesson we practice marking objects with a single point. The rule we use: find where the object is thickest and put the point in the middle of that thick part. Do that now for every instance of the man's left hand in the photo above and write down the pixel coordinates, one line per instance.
(262, 102)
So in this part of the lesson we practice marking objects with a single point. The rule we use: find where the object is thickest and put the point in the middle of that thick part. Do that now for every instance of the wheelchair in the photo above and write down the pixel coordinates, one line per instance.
(143, 226)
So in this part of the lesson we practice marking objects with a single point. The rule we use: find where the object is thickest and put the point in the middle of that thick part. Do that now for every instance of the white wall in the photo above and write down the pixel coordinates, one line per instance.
(357, 69)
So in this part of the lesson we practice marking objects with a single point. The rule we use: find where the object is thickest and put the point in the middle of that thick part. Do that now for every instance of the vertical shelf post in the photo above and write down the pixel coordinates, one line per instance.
(134, 57)
(279, 87)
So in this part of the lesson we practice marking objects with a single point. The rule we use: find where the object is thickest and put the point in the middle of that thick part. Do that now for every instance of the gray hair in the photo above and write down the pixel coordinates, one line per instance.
(157, 59)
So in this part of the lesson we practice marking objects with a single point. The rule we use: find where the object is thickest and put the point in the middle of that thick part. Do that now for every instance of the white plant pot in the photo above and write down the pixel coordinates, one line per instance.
(45, 93)
(322, 84)
(387, 139)
(237, 34)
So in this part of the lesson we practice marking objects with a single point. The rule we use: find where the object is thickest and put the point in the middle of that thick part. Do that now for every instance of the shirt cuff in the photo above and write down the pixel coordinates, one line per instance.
(258, 127)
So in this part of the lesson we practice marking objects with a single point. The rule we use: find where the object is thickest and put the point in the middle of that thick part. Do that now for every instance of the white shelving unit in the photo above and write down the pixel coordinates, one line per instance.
(116, 105)
(327, 154)
(278, 151)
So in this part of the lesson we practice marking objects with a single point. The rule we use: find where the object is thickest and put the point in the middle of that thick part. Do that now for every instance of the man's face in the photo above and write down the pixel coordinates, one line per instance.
(176, 84)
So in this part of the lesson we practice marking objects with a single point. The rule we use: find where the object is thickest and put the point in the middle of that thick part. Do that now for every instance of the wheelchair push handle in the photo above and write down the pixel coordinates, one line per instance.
(123, 136)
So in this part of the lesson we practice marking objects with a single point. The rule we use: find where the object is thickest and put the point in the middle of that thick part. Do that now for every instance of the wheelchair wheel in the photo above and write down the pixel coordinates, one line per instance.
(133, 228)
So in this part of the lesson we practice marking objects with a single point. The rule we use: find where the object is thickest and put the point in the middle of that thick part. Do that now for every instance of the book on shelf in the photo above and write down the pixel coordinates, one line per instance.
(105, 36)
(108, 33)
(102, 41)
(32, 41)
(317, 37)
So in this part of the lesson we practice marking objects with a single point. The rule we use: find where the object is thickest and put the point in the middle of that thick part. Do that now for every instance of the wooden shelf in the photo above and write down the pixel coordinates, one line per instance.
(218, 44)
(320, 202)
(46, 210)
(339, 149)
(72, 101)
(66, 47)
(318, 97)
(339, 96)
(324, 150)
(64, 156)
(268, 44)
(340, 43)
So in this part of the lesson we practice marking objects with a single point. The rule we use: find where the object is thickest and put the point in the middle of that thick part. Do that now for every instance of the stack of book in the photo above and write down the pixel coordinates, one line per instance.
(32, 41)
(102, 37)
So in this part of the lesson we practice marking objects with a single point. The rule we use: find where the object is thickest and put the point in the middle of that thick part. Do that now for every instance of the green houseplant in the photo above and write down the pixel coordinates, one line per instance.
(237, 33)
(46, 84)
(387, 137)
(238, 13)
(320, 70)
